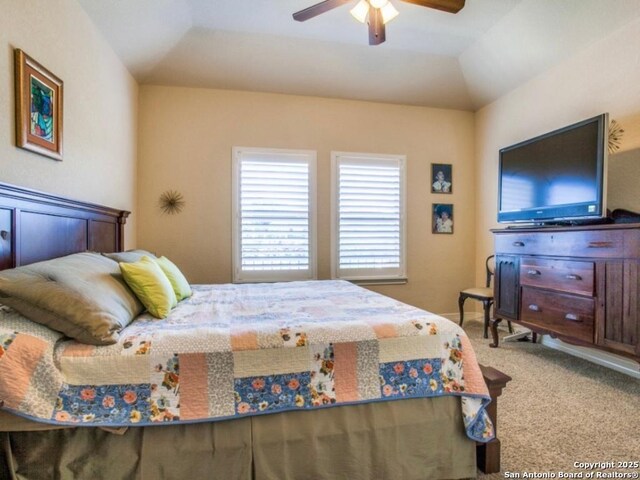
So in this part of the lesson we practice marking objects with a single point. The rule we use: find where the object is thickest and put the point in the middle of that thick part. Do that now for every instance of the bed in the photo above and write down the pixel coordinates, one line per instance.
(279, 383)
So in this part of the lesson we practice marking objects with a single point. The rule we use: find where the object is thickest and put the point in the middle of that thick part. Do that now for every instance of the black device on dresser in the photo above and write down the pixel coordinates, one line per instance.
(558, 177)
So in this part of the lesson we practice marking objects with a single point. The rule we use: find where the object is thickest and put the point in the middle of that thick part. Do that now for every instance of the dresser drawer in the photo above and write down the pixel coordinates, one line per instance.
(578, 243)
(561, 313)
(561, 275)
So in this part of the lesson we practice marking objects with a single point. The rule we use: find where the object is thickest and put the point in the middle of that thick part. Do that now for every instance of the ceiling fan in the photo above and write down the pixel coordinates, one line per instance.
(376, 13)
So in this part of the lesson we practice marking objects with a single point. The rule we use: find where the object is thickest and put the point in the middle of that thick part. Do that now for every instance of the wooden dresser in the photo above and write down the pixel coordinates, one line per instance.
(580, 284)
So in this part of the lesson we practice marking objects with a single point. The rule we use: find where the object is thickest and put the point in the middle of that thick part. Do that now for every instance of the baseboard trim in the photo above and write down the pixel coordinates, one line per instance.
(609, 360)
(472, 317)
(455, 317)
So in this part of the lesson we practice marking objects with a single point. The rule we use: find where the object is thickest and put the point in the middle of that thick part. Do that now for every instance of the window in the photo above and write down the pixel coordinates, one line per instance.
(273, 215)
(368, 217)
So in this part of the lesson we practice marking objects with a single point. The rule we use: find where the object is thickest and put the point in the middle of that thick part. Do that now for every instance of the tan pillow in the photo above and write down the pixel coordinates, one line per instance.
(129, 256)
(81, 295)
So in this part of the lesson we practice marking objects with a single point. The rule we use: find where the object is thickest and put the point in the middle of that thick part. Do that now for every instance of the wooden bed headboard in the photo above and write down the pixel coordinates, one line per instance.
(36, 226)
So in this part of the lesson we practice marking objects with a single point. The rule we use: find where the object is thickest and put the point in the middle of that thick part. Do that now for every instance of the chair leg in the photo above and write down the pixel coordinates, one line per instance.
(461, 300)
(487, 308)
(494, 333)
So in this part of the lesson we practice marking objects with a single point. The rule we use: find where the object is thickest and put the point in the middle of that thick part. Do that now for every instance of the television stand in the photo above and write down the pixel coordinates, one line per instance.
(578, 283)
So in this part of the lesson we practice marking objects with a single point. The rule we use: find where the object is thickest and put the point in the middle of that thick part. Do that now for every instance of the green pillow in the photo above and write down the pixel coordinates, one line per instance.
(151, 286)
(178, 281)
(129, 256)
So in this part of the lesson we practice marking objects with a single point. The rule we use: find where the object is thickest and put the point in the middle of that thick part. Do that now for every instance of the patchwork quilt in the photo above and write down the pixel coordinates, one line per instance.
(231, 351)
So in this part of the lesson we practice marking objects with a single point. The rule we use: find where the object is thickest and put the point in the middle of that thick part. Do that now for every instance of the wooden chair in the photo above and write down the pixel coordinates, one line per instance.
(482, 294)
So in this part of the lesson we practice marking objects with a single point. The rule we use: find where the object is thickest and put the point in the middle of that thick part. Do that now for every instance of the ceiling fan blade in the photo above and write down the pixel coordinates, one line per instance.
(451, 6)
(376, 27)
(317, 9)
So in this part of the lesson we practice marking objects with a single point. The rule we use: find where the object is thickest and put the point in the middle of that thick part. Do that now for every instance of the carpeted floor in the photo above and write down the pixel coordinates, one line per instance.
(559, 409)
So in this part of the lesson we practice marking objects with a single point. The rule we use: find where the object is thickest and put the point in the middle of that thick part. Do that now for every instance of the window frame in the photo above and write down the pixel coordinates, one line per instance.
(361, 277)
(240, 276)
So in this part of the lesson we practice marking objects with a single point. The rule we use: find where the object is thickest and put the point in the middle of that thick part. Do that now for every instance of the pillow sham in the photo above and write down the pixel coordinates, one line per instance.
(178, 281)
(129, 256)
(151, 286)
(81, 295)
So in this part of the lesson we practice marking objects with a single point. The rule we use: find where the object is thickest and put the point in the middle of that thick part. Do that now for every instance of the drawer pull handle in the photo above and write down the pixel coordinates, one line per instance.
(573, 317)
(600, 244)
(518, 244)
(573, 276)
(534, 308)
(533, 272)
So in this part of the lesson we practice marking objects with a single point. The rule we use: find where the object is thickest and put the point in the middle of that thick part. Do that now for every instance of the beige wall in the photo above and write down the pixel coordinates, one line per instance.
(605, 77)
(185, 141)
(100, 106)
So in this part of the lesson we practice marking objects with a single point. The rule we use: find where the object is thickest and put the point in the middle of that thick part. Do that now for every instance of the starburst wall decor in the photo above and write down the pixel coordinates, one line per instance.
(172, 202)
(615, 136)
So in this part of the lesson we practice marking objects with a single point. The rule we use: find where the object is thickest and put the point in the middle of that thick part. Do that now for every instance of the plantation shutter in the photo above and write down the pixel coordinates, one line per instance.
(369, 217)
(274, 221)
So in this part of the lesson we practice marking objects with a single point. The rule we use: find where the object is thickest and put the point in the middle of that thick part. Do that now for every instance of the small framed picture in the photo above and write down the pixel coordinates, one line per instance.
(441, 178)
(442, 217)
(38, 107)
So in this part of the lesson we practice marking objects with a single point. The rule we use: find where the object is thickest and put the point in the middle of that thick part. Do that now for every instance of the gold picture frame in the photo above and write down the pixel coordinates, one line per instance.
(39, 100)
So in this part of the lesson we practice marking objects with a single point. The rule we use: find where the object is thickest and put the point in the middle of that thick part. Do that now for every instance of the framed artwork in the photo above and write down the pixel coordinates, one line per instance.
(441, 178)
(39, 99)
(442, 217)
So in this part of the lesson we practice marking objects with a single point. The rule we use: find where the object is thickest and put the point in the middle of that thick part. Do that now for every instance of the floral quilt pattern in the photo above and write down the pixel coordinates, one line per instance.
(103, 404)
(231, 351)
(415, 378)
(272, 393)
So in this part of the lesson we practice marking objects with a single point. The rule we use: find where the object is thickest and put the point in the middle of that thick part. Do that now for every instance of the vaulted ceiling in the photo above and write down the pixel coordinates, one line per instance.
(431, 58)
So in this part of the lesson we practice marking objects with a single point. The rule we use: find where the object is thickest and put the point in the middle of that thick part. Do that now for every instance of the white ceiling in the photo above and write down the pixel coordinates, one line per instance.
(432, 58)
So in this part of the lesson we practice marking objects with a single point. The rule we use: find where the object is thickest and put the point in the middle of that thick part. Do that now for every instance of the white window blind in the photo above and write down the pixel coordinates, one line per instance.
(274, 227)
(368, 217)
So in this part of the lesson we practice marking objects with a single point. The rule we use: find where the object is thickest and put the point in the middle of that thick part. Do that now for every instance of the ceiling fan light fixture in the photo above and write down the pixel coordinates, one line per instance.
(378, 3)
(375, 13)
(389, 12)
(360, 11)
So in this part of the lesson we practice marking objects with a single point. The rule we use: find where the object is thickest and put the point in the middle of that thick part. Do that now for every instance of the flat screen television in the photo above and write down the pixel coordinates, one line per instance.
(558, 177)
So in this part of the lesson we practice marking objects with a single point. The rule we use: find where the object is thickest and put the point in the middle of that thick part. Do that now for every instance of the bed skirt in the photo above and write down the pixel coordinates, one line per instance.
(408, 439)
